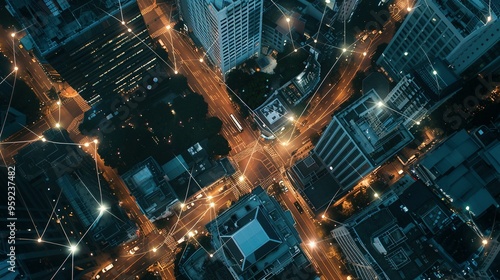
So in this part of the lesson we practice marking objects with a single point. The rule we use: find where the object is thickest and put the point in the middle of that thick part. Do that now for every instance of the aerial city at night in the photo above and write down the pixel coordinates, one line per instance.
(250, 139)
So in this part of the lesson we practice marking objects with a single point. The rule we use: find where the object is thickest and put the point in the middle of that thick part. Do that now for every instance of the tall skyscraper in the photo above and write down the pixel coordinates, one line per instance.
(361, 137)
(101, 48)
(436, 29)
(229, 31)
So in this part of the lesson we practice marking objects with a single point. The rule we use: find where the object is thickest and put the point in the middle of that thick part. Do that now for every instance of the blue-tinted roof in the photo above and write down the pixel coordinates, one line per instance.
(174, 167)
(252, 241)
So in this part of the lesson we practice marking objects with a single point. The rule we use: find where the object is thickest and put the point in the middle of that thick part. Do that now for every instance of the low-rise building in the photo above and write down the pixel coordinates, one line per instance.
(255, 238)
(465, 169)
(146, 182)
(409, 235)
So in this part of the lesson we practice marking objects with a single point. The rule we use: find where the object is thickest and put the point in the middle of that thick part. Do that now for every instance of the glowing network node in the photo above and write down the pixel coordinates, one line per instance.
(176, 72)
(123, 22)
(43, 139)
(102, 208)
(242, 178)
(73, 248)
(380, 104)
(409, 9)
(467, 208)
(13, 34)
(295, 50)
(484, 241)
(190, 234)
(291, 118)
(212, 204)
(58, 102)
(209, 197)
(168, 27)
(364, 53)
(375, 194)
(95, 141)
(16, 68)
(327, 1)
(417, 122)
(86, 144)
(154, 250)
(183, 205)
(344, 50)
(406, 53)
(287, 20)
(211, 255)
(58, 125)
(315, 41)
(323, 216)
(201, 59)
(129, 30)
(39, 240)
(312, 244)
(488, 19)
(434, 72)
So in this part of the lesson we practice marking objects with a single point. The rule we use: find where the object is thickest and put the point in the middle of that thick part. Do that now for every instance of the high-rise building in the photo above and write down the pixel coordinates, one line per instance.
(445, 29)
(101, 48)
(408, 99)
(361, 137)
(229, 31)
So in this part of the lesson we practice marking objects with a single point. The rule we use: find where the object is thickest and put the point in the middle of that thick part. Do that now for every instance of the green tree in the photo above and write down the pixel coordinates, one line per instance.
(218, 146)
(192, 106)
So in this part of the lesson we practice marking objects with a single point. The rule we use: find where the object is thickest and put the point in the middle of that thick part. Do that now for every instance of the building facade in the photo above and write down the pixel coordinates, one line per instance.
(229, 31)
(438, 28)
(361, 137)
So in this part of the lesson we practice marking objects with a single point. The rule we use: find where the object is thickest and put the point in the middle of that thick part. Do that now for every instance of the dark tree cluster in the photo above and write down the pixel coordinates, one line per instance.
(146, 126)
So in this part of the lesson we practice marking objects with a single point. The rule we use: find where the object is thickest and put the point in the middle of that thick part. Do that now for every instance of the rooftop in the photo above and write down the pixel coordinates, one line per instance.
(257, 236)
(462, 169)
(147, 184)
(376, 129)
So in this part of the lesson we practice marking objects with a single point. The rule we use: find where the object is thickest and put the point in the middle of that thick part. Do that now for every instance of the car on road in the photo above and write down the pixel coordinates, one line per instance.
(132, 251)
(283, 187)
(299, 208)
(107, 268)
